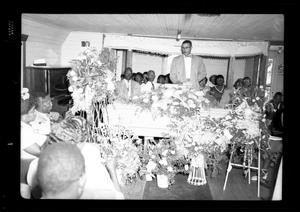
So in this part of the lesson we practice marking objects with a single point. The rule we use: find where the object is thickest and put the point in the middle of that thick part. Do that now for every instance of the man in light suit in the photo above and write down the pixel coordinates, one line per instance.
(187, 68)
(127, 88)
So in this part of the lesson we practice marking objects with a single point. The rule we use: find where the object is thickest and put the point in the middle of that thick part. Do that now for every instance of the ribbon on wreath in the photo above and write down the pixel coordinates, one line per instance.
(197, 172)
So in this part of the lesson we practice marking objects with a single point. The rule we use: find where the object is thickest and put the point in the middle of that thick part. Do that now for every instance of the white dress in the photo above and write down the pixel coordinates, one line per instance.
(29, 137)
(98, 182)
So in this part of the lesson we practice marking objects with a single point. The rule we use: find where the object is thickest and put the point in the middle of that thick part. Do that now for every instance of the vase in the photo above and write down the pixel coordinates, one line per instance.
(148, 177)
(162, 181)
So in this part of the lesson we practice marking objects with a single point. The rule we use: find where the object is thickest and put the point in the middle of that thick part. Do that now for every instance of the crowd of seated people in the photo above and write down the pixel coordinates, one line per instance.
(44, 157)
(134, 84)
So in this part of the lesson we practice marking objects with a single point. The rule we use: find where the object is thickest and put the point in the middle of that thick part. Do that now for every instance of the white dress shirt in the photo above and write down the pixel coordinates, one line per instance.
(188, 65)
(128, 85)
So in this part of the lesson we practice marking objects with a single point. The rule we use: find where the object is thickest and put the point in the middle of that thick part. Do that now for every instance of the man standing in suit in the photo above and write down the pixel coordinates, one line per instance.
(127, 88)
(187, 68)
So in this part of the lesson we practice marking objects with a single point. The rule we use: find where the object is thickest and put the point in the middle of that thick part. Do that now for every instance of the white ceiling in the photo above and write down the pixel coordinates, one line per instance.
(269, 27)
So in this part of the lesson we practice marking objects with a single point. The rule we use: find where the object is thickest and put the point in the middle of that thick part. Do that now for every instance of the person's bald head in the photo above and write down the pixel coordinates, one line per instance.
(61, 167)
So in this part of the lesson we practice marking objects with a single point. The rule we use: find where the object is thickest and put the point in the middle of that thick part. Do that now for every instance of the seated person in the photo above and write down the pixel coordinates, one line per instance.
(274, 110)
(151, 77)
(212, 81)
(161, 79)
(218, 90)
(43, 107)
(61, 172)
(238, 84)
(127, 88)
(31, 141)
(246, 89)
(203, 86)
(139, 78)
(149, 85)
(145, 77)
(133, 76)
(85, 176)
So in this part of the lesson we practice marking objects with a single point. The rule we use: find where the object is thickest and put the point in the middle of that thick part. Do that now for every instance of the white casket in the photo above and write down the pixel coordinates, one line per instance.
(144, 122)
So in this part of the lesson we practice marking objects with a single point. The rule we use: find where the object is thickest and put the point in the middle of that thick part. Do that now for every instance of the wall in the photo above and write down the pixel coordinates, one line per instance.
(71, 47)
(44, 41)
(144, 62)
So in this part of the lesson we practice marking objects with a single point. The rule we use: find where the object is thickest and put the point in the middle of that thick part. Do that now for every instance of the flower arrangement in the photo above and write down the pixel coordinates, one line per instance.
(256, 100)
(25, 93)
(175, 102)
(161, 159)
(119, 143)
(91, 79)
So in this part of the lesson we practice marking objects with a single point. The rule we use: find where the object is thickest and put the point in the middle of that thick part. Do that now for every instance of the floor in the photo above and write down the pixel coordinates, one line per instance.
(237, 189)
(237, 185)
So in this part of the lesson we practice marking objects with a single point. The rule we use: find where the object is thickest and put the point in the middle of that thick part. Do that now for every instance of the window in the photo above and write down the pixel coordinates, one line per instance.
(269, 78)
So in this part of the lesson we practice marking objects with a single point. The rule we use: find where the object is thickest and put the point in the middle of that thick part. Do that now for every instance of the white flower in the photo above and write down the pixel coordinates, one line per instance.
(206, 100)
(248, 113)
(227, 117)
(178, 92)
(110, 86)
(257, 98)
(190, 102)
(81, 57)
(165, 152)
(253, 100)
(163, 161)
(72, 73)
(80, 90)
(199, 93)
(74, 78)
(25, 90)
(172, 152)
(153, 156)
(146, 100)
(186, 167)
(150, 166)
(227, 134)
(219, 141)
(24, 93)
(170, 169)
(70, 88)
(155, 98)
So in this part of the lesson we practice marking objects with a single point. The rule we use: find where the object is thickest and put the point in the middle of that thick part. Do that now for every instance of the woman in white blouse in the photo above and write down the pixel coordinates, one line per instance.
(31, 141)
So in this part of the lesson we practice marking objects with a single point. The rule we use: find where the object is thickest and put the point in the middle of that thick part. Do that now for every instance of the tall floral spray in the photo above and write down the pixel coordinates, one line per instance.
(92, 81)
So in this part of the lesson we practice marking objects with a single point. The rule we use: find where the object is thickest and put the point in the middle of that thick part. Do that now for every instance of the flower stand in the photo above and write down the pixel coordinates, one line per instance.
(197, 172)
(162, 181)
(247, 157)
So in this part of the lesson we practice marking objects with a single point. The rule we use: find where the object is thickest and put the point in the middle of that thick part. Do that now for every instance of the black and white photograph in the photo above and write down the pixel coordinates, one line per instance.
(152, 106)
